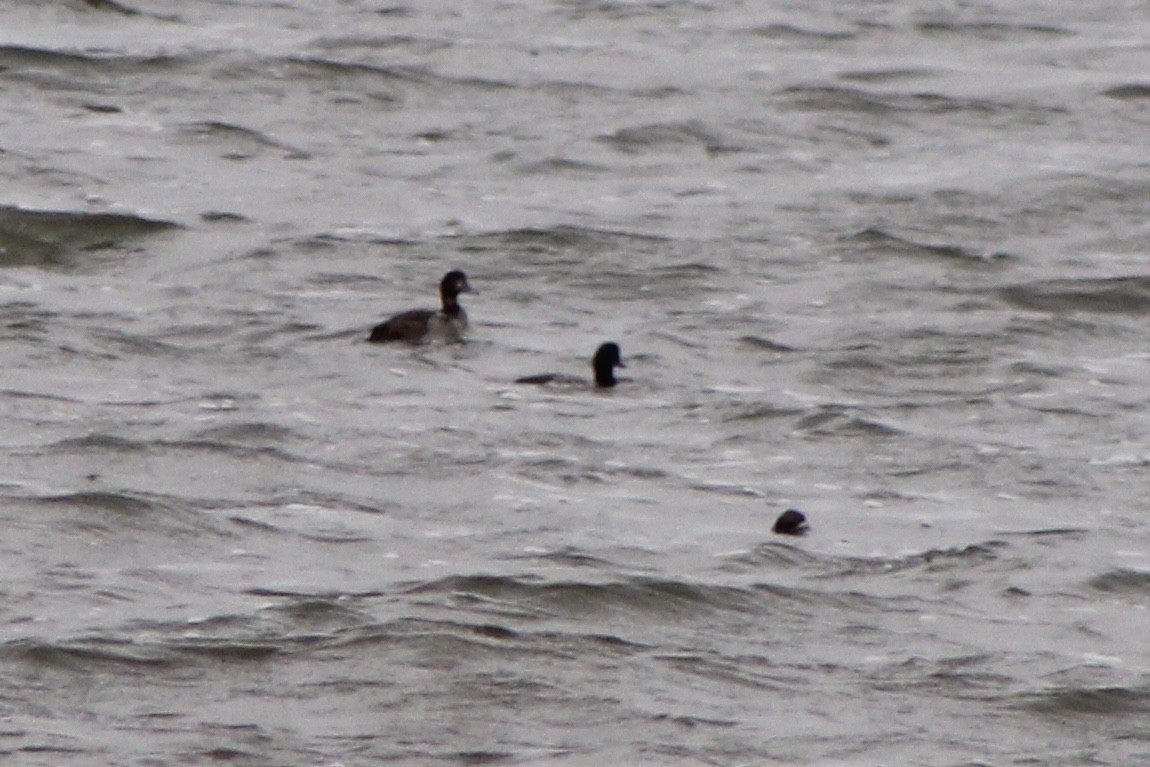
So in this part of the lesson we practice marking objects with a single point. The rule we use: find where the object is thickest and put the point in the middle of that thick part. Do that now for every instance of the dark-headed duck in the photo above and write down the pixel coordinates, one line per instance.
(606, 359)
(791, 522)
(417, 325)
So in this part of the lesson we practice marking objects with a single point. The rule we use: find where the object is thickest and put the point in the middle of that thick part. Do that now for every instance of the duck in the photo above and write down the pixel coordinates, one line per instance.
(607, 357)
(791, 522)
(417, 325)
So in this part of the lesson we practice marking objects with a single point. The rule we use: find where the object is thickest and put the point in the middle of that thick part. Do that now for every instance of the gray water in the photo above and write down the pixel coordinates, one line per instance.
(884, 262)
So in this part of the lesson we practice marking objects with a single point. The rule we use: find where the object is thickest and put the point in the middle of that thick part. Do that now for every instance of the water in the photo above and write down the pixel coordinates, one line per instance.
(881, 262)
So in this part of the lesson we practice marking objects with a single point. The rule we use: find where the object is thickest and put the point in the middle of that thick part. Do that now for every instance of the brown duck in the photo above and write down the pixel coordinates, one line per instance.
(417, 325)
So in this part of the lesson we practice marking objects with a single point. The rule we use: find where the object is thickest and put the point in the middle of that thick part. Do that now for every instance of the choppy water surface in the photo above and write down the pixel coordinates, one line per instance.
(883, 262)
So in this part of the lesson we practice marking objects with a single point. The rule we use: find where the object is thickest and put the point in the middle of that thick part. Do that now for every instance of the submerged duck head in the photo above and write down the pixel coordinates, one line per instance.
(607, 358)
(791, 522)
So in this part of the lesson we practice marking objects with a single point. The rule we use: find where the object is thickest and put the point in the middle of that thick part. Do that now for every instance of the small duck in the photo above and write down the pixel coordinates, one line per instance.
(416, 325)
(606, 359)
(791, 522)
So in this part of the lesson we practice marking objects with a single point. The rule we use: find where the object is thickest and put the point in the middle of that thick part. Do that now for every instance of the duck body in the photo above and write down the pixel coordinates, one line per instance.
(606, 359)
(418, 325)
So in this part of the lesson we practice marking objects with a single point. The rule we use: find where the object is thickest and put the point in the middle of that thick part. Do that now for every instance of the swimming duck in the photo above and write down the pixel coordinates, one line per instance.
(417, 325)
(606, 359)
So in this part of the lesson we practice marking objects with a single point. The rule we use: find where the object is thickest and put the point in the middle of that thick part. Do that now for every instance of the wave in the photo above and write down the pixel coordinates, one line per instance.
(82, 654)
(837, 420)
(837, 98)
(639, 599)
(27, 321)
(126, 504)
(1111, 201)
(328, 68)
(110, 6)
(382, 42)
(760, 411)
(564, 236)
(766, 344)
(831, 98)
(1123, 581)
(243, 143)
(249, 442)
(88, 654)
(570, 557)
(16, 56)
(300, 623)
(886, 75)
(533, 596)
(575, 247)
(1129, 91)
(750, 672)
(874, 241)
(111, 513)
(29, 63)
(1109, 295)
(552, 165)
(932, 560)
(802, 35)
(990, 30)
(820, 566)
(818, 569)
(248, 433)
(119, 9)
(1111, 700)
(59, 238)
(771, 555)
(1050, 536)
(963, 676)
(658, 136)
